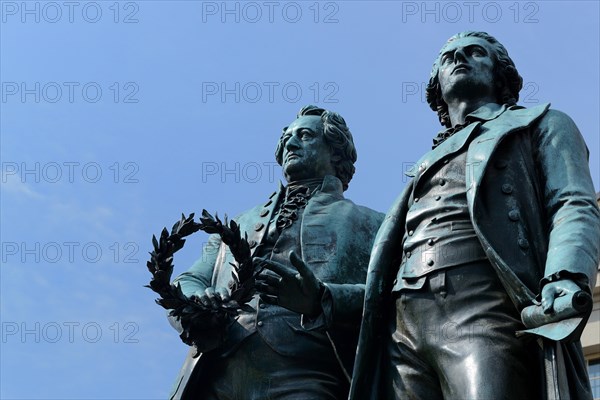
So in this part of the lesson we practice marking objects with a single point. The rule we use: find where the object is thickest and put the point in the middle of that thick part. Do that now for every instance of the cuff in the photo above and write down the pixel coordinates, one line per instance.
(578, 278)
(320, 321)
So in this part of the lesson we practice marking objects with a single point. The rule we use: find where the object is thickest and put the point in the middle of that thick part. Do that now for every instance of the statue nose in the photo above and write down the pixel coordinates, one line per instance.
(292, 143)
(459, 56)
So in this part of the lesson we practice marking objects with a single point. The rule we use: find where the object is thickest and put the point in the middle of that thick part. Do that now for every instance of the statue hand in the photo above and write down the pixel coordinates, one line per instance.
(296, 289)
(207, 330)
(212, 297)
(553, 290)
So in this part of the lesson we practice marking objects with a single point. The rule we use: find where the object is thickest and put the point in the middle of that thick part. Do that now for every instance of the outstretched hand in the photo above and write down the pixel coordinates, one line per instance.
(296, 289)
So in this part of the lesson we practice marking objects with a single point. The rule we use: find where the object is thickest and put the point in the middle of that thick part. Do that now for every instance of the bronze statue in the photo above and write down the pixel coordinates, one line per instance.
(501, 209)
(318, 245)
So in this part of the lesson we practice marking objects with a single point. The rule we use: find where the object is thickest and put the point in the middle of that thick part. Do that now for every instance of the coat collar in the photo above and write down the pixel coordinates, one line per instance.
(450, 146)
(487, 112)
(331, 185)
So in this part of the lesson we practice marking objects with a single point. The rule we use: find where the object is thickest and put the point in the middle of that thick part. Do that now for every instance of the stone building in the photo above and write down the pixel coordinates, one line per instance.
(590, 338)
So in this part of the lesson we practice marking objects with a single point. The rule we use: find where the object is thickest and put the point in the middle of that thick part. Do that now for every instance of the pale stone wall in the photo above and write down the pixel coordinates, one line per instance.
(590, 339)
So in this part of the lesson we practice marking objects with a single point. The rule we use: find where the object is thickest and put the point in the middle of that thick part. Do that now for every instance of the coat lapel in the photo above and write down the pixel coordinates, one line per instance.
(492, 132)
(316, 217)
(450, 145)
(261, 221)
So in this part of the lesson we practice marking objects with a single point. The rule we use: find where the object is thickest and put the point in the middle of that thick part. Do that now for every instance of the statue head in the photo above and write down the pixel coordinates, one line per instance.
(316, 144)
(507, 81)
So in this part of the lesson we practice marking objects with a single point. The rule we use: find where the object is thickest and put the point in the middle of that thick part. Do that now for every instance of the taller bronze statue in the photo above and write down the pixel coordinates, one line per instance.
(500, 210)
(299, 339)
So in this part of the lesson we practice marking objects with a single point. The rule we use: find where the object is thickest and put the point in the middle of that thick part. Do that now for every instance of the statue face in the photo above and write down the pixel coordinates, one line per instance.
(466, 69)
(305, 153)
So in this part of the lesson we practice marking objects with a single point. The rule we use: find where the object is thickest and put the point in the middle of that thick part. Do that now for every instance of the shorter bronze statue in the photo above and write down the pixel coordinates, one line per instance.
(500, 210)
(297, 337)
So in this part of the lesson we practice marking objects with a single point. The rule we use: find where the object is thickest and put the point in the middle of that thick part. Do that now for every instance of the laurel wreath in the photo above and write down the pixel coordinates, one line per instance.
(203, 326)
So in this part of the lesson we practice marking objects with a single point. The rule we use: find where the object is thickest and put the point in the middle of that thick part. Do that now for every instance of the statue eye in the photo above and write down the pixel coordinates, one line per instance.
(305, 134)
(477, 51)
(446, 58)
(286, 137)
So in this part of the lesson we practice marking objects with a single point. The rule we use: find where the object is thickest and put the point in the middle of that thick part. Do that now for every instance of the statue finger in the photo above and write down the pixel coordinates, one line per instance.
(202, 298)
(222, 294)
(566, 286)
(211, 296)
(259, 260)
(269, 299)
(300, 265)
(549, 293)
(265, 288)
(197, 297)
(278, 268)
(270, 279)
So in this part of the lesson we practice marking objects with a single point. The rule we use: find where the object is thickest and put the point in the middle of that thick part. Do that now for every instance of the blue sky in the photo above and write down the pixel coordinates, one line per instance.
(118, 116)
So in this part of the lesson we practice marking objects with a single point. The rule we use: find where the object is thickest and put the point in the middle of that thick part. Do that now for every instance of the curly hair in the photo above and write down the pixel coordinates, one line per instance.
(507, 79)
(338, 137)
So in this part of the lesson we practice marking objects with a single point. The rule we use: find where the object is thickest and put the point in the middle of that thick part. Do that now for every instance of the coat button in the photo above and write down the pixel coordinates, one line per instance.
(264, 212)
(408, 254)
(523, 243)
(430, 242)
(513, 215)
(430, 262)
(262, 305)
(507, 188)
(259, 226)
(416, 200)
(252, 244)
(501, 164)
(260, 323)
(437, 198)
(446, 161)
(442, 182)
(411, 232)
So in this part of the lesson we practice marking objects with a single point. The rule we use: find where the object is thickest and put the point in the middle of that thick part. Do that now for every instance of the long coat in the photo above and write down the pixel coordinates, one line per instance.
(532, 204)
(335, 241)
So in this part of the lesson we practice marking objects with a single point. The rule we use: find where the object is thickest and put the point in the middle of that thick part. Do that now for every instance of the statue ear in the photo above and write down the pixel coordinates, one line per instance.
(279, 149)
(499, 82)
